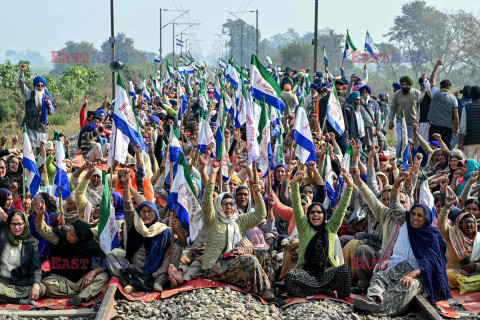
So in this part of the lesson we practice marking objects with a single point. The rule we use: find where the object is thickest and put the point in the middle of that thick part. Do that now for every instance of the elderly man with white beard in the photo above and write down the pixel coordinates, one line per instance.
(34, 117)
(371, 118)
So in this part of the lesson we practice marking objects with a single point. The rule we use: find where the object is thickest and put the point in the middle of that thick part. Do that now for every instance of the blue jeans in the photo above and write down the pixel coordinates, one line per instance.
(399, 136)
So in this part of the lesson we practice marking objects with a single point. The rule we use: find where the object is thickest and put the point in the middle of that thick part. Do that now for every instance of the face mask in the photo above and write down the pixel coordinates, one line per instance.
(405, 90)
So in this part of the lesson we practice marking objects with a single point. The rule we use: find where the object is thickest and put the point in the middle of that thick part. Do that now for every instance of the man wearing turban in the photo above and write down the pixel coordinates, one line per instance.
(289, 98)
(37, 103)
(443, 113)
(407, 101)
(371, 119)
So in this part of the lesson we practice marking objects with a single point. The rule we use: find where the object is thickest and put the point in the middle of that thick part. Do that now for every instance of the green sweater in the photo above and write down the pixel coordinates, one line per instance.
(306, 232)
(217, 230)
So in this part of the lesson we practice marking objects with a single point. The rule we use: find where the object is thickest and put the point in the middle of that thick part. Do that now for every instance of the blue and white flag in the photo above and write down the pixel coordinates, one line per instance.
(222, 64)
(371, 47)
(217, 88)
(335, 113)
(157, 59)
(183, 195)
(303, 137)
(328, 178)
(123, 115)
(61, 178)
(131, 91)
(264, 85)
(205, 135)
(232, 75)
(269, 60)
(179, 43)
(145, 93)
(404, 147)
(31, 169)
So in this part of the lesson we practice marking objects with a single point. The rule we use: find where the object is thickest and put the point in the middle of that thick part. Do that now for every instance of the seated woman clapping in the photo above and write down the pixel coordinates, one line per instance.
(417, 265)
(229, 257)
(317, 271)
(463, 242)
(20, 268)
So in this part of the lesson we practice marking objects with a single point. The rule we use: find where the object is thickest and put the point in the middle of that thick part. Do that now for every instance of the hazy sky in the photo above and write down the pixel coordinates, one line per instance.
(45, 26)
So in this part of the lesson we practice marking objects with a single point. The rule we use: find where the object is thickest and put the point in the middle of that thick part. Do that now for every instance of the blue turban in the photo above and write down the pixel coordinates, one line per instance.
(99, 112)
(313, 86)
(39, 79)
(89, 127)
(173, 102)
(365, 87)
(382, 96)
(397, 86)
(319, 74)
(354, 74)
(353, 96)
(213, 123)
(155, 119)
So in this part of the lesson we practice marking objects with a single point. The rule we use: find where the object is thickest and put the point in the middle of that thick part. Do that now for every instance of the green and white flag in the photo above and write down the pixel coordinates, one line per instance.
(107, 223)
(425, 195)
(264, 140)
(347, 158)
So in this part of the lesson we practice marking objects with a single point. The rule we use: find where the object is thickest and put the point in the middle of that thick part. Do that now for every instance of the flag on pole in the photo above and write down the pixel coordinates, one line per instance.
(118, 142)
(61, 178)
(303, 137)
(241, 115)
(131, 91)
(157, 59)
(31, 169)
(145, 91)
(222, 64)
(232, 75)
(107, 223)
(123, 115)
(404, 147)
(183, 194)
(264, 143)
(371, 47)
(269, 60)
(347, 158)
(251, 131)
(425, 196)
(217, 88)
(264, 85)
(182, 100)
(219, 134)
(179, 43)
(205, 135)
(328, 178)
(349, 46)
(325, 57)
(335, 113)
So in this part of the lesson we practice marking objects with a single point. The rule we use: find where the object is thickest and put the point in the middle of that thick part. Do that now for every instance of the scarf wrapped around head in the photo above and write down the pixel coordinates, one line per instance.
(16, 240)
(316, 253)
(429, 249)
(155, 228)
(118, 204)
(4, 194)
(233, 231)
(407, 79)
(94, 194)
(472, 166)
(464, 247)
(50, 206)
(249, 205)
(275, 180)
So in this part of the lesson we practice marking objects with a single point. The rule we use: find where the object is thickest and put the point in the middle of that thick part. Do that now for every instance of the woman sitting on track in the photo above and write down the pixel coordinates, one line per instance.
(317, 270)
(229, 257)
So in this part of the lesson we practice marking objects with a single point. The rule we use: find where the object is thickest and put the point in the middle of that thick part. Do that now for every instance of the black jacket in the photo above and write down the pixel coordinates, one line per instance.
(30, 271)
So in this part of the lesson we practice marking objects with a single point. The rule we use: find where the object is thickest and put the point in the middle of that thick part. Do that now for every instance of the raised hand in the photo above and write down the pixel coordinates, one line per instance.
(415, 129)
(299, 176)
(23, 67)
(451, 200)
(356, 174)
(444, 183)
(373, 151)
(347, 177)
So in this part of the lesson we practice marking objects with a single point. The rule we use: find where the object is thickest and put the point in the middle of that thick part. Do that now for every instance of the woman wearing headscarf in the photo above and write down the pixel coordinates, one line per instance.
(5, 180)
(20, 272)
(15, 170)
(6, 202)
(76, 260)
(147, 245)
(89, 192)
(117, 200)
(228, 257)
(417, 265)
(463, 243)
(469, 166)
(317, 270)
